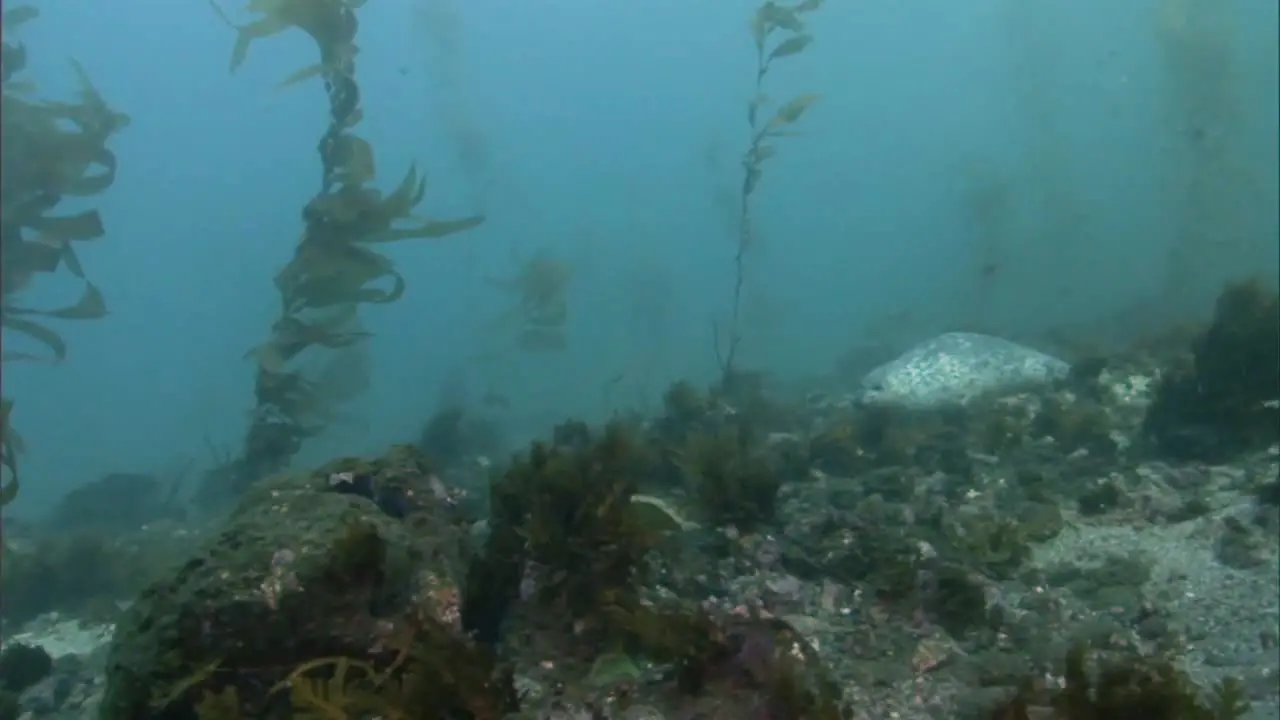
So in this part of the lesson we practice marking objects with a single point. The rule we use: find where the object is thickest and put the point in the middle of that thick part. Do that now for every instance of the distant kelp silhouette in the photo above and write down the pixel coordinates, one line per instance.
(541, 306)
(52, 150)
(333, 270)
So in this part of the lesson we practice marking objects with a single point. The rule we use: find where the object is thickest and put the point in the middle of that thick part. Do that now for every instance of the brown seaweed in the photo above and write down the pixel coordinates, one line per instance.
(334, 269)
(52, 150)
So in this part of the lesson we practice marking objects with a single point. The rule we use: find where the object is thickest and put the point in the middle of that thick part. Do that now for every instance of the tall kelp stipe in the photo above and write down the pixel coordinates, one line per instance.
(334, 269)
(53, 150)
(778, 30)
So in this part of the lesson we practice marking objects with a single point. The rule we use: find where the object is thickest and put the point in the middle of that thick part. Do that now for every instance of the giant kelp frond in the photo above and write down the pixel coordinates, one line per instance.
(334, 270)
(52, 149)
(328, 22)
(332, 265)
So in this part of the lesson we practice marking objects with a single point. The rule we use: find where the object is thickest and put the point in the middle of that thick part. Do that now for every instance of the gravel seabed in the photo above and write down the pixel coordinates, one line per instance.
(1226, 614)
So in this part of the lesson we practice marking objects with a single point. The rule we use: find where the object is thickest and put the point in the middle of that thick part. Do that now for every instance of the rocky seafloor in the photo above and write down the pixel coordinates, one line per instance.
(831, 555)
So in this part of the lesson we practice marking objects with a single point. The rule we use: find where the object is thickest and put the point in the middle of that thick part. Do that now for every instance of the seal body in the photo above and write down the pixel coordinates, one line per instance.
(954, 368)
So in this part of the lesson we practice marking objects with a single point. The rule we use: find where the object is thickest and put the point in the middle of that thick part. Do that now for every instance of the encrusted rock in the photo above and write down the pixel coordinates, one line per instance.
(955, 368)
(306, 568)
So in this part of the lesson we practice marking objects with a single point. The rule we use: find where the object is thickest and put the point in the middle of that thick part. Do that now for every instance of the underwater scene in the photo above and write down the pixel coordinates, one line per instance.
(733, 360)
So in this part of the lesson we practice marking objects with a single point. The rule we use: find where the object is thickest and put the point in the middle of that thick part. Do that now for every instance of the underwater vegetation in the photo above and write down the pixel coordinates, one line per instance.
(565, 509)
(733, 479)
(712, 446)
(1222, 399)
(539, 290)
(1131, 688)
(335, 268)
(779, 32)
(53, 149)
(565, 569)
(366, 588)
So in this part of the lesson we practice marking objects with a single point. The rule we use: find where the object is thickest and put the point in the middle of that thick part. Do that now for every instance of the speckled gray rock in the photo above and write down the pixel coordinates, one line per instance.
(957, 367)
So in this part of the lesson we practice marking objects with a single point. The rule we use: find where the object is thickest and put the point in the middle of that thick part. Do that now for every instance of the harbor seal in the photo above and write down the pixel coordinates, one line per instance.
(954, 368)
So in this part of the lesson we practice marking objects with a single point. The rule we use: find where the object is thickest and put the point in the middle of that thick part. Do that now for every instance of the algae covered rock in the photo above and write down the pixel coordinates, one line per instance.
(355, 563)
(955, 368)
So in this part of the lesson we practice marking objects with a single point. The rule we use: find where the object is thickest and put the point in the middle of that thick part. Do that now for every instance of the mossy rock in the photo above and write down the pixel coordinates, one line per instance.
(303, 569)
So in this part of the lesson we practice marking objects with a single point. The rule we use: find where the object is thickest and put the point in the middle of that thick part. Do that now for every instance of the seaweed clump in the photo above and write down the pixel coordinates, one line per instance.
(1133, 688)
(732, 482)
(565, 531)
(568, 571)
(1226, 398)
(53, 150)
(737, 666)
(333, 270)
(427, 680)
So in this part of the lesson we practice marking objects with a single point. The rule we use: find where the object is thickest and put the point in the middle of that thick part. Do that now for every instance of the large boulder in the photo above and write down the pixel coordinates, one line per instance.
(352, 563)
(956, 368)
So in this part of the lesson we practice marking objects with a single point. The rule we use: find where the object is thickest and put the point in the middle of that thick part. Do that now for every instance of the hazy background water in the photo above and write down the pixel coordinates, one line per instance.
(1014, 165)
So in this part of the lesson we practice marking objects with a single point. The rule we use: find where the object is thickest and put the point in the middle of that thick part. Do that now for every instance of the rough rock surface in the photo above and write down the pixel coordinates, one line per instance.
(1129, 552)
(310, 566)
(958, 367)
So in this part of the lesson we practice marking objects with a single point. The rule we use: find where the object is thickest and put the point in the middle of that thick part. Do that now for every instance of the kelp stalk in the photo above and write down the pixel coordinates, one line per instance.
(771, 20)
